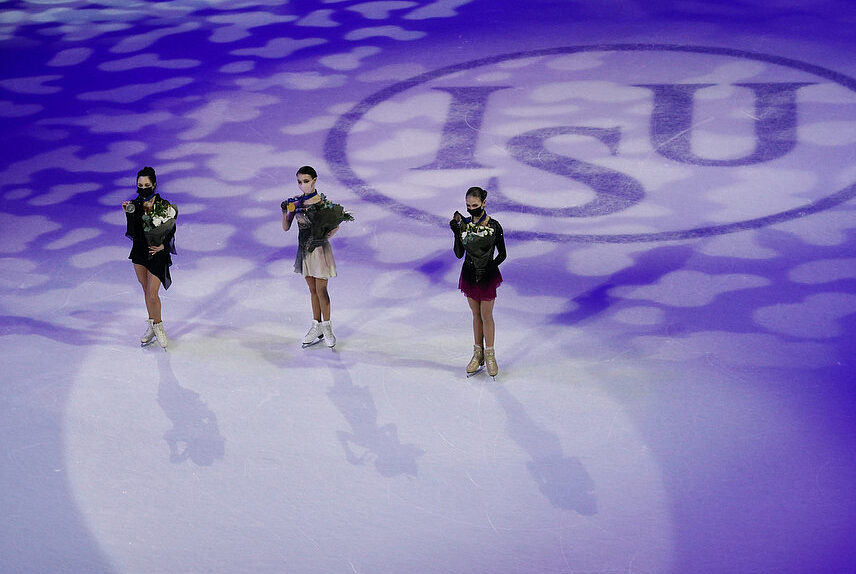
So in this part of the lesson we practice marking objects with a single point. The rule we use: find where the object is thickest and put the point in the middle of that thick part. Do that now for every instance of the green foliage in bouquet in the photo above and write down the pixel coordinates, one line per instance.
(161, 212)
(159, 223)
(325, 216)
(471, 232)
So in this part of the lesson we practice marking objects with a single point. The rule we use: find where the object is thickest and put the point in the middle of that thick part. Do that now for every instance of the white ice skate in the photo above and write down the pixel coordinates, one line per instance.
(314, 335)
(149, 336)
(160, 335)
(327, 333)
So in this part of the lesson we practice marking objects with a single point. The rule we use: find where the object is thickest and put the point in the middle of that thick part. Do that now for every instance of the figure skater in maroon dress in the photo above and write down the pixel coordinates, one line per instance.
(476, 239)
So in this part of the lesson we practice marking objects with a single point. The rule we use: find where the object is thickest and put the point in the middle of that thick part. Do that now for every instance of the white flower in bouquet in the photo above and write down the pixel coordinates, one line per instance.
(470, 231)
(161, 218)
(159, 223)
(161, 213)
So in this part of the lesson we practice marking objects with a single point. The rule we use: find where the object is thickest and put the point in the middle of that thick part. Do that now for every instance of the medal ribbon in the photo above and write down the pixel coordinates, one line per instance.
(298, 201)
(482, 218)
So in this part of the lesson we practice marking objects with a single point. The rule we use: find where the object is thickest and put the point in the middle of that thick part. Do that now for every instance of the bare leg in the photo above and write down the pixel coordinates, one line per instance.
(488, 326)
(143, 277)
(316, 304)
(153, 302)
(323, 297)
(478, 327)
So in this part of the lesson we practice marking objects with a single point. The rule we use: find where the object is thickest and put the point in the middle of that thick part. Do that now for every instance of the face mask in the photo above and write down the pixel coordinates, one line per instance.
(477, 212)
(145, 193)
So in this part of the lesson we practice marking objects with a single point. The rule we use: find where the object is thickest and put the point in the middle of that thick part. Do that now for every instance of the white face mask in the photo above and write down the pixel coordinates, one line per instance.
(306, 187)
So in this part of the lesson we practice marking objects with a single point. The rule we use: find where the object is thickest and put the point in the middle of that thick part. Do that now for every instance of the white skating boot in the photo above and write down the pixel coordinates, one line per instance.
(490, 362)
(149, 334)
(475, 364)
(160, 335)
(314, 335)
(329, 337)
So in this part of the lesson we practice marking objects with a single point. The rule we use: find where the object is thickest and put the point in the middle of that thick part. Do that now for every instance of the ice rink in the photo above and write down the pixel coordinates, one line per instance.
(675, 332)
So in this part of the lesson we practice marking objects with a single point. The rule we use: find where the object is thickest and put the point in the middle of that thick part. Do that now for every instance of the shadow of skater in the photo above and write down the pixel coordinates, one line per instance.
(563, 480)
(356, 404)
(194, 433)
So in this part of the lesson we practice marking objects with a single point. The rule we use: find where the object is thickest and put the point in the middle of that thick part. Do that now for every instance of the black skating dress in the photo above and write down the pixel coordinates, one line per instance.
(159, 263)
(480, 274)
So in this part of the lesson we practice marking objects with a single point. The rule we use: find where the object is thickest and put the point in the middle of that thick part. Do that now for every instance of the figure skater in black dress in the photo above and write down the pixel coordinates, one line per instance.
(151, 262)
(476, 239)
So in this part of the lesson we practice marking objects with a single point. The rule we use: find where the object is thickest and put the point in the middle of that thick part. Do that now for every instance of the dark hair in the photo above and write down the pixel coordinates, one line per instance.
(148, 172)
(307, 170)
(477, 192)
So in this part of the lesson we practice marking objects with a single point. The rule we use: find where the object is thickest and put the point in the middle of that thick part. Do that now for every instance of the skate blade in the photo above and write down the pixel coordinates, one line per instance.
(315, 342)
(479, 370)
(148, 343)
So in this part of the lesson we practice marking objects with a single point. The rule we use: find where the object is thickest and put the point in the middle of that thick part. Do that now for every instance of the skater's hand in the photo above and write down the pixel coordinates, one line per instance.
(155, 249)
(287, 205)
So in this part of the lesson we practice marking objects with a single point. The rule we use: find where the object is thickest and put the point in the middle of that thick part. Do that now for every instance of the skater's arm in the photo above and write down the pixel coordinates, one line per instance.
(287, 218)
(319, 241)
(133, 221)
(169, 240)
(499, 243)
(455, 224)
(459, 246)
(168, 243)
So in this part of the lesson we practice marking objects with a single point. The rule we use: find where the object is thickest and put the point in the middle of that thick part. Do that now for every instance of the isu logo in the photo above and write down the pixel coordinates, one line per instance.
(618, 143)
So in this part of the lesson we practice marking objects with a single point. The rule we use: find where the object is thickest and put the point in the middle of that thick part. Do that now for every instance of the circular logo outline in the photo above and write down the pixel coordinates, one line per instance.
(335, 144)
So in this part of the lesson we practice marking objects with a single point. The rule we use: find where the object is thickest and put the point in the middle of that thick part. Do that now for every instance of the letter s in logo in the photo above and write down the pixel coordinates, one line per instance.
(614, 190)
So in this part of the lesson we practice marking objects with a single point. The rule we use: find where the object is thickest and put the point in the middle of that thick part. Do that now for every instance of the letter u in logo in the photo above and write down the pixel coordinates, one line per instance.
(775, 122)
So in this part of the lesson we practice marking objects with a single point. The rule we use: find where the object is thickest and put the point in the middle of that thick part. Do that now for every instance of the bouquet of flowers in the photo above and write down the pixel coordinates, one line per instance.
(471, 232)
(159, 222)
(325, 216)
(478, 241)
